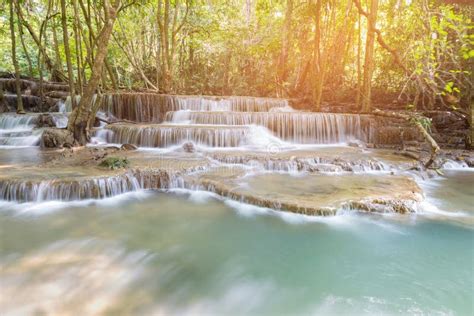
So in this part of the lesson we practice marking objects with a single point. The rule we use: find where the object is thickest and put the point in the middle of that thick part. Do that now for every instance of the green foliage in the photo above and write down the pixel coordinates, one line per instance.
(424, 121)
(115, 163)
(234, 47)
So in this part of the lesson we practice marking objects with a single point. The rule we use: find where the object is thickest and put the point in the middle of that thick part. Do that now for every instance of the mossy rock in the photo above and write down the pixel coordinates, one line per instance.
(115, 163)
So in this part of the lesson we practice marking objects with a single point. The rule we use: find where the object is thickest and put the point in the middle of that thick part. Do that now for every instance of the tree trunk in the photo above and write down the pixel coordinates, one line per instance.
(81, 115)
(19, 101)
(169, 29)
(78, 46)
(25, 50)
(158, 48)
(359, 68)
(470, 138)
(70, 72)
(317, 64)
(282, 70)
(57, 55)
(369, 57)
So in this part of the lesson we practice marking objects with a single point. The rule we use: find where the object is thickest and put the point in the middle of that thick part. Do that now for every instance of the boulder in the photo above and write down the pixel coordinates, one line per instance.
(128, 147)
(356, 143)
(189, 147)
(57, 138)
(45, 120)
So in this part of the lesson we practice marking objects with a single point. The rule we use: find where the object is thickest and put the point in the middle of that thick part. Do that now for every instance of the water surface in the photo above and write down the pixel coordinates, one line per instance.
(157, 253)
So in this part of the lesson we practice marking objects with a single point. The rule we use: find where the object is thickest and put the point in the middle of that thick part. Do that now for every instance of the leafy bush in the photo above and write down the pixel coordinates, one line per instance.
(114, 163)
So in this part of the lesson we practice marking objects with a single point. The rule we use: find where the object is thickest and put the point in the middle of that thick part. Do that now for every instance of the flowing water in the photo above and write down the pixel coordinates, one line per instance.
(80, 240)
(193, 254)
(298, 127)
(20, 130)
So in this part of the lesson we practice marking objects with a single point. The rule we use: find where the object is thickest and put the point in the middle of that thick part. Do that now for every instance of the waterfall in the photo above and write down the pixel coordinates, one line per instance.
(17, 130)
(60, 119)
(167, 135)
(66, 106)
(17, 122)
(95, 188)
(143, 107)
(234, 103)
(150, 107)
(298, 127)
(20, 130)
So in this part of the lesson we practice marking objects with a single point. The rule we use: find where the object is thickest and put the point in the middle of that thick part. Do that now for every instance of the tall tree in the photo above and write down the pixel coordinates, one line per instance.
(67, 51)
(282, 69)
(169, 28)
(19, 101)
(78, 121)
(369, 57)
(317, 63)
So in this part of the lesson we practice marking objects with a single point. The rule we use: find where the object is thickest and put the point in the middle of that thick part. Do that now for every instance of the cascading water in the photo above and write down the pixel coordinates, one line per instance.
(17, 130)
(95, 188)
(17, 122)
(66, 106)
(60, 119)
(257, 125)
(20, 130)
(167, 135)
(238, 104)
(298, 127)
(149, 107)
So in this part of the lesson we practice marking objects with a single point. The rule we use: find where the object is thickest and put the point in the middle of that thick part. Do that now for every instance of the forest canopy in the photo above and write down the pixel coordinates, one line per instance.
(419, 53)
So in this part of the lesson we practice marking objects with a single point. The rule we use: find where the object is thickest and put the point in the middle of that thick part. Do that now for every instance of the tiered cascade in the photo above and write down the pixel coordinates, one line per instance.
(256, 135)
(149, 107)
(298, 127)
(225, 121)
(162, 135)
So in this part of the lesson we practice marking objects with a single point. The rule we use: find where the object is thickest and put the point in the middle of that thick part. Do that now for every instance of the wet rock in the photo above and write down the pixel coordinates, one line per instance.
(58, 94)
(3, 105)
(469, 161)
(128, 147)
(189, 147)
(57, 138)
(54, 108)
(324, 168)
(96, 122)
(356, 144)
(383, 206)
(45, 120)
(446, 119)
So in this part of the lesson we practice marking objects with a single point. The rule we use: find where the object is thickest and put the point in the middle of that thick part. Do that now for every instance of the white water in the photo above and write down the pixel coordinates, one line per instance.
(298, 127)
(60, 119)
(17, 130)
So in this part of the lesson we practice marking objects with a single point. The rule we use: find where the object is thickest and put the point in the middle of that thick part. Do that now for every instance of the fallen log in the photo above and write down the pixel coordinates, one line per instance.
(415, 120)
